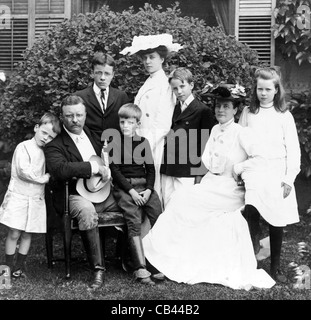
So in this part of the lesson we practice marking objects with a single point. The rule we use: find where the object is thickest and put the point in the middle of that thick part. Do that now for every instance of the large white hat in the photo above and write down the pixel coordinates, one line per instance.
(94, 189)
(151, 42)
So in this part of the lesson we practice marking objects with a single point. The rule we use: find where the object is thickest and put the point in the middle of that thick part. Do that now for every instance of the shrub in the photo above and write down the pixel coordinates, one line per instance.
(59, 62)
(300, 104)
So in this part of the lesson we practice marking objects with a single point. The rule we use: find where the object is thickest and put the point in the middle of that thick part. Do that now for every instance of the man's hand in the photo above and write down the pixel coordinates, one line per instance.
(137, 198)
(286, 189)
(104, 172)
(145, 195)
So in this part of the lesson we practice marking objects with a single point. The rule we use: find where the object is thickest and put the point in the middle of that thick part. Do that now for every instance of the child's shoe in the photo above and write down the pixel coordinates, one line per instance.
(17, 274)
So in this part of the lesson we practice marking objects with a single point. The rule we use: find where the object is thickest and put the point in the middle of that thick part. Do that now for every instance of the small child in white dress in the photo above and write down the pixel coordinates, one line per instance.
(23, 209)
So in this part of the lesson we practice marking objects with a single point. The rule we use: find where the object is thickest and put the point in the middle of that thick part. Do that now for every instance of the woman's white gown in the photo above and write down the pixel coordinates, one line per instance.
(202, 236)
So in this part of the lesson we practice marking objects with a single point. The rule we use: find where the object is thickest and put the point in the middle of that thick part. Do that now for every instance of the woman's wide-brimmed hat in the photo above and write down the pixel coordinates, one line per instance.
(94, 189)
(224, 91)
(141, 43)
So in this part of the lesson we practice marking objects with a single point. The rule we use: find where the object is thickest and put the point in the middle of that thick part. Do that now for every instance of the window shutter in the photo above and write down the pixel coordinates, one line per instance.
(254, 19)
(47, 14)
(14, 39)
(29, 18)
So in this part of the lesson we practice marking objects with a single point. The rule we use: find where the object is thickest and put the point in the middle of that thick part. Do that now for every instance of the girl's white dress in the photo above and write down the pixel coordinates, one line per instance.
(202, 236)
(277, 132)
(157, 102)
(23, 207)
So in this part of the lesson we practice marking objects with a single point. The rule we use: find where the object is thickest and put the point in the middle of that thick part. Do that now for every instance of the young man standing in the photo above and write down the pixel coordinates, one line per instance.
(102, 101)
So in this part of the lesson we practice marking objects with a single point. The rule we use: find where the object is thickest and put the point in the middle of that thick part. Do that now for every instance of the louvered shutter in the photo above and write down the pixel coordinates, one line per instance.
(29, 18)
(254, 19)
(47, 14)
(14, 39)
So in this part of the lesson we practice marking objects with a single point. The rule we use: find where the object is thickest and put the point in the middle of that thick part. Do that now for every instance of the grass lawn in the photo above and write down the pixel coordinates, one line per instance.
(49, 284)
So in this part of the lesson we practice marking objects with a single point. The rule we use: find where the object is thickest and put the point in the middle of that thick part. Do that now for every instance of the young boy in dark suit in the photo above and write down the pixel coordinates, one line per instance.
(191, 123)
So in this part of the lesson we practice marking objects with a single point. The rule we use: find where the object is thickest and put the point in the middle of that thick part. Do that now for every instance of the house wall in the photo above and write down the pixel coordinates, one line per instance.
(296, 77)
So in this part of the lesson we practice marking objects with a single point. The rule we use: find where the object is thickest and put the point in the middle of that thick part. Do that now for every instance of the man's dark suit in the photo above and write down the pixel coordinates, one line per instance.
(64, 161)
(96, 120)
(179, 152)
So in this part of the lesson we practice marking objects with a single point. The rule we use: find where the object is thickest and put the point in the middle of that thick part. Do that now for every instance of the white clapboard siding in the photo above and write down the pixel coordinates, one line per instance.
(254, 19)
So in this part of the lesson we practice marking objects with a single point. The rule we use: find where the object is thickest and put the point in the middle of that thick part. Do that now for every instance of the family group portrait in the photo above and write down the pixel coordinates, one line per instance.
(155, 152)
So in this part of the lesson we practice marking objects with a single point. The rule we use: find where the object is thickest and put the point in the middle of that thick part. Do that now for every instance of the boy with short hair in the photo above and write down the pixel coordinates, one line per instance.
(23, 209)
(191, 123)
(133, 174)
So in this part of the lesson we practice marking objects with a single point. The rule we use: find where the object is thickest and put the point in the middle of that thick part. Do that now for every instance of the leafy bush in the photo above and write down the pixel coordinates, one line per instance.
(300, 104)
(59, 62)
(292, 27)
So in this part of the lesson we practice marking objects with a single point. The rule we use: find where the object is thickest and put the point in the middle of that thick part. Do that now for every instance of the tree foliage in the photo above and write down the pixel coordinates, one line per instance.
(59, 62)
(292, 27)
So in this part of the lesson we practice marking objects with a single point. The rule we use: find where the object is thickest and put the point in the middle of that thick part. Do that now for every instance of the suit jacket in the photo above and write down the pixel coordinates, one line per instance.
(96, 120)
(64, 162)
(186, 140)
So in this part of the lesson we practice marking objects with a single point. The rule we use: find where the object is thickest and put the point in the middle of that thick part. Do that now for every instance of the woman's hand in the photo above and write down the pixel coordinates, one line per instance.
(286, 189)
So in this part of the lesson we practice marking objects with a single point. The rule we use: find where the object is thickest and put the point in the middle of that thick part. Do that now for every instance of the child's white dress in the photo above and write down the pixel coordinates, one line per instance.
(23, 207)
(278, 133)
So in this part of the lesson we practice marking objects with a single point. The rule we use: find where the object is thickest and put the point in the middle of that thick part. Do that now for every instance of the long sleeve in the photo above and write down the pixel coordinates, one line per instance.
(254, 149)
(61, 168)
(27, 166)
(293, 152)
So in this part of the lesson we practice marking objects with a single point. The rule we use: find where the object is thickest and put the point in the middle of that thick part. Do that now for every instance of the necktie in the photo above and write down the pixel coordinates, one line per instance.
(102, 98)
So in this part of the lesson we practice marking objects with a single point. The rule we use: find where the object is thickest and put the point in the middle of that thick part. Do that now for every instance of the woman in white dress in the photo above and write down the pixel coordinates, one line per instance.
(275, 126)
(202, 236)
(155, 98)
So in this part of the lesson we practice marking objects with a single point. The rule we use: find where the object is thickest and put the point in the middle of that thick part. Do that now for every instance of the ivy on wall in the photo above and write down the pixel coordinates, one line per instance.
(292, 27)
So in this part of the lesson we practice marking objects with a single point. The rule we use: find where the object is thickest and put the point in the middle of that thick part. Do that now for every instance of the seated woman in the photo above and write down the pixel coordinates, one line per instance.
(202, 236)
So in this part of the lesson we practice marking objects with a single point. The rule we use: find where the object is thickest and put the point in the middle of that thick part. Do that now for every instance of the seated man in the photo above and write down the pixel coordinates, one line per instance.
(71, 156)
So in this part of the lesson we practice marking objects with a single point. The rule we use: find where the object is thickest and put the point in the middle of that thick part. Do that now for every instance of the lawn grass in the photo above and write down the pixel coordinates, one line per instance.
(49, 284)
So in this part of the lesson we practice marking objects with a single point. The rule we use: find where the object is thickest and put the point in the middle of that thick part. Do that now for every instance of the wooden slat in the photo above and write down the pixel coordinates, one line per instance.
(44, 24)
(13, 42)
(50, 6)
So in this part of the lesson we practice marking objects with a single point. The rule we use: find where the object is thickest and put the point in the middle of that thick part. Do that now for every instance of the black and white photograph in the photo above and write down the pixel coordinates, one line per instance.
(155, 155)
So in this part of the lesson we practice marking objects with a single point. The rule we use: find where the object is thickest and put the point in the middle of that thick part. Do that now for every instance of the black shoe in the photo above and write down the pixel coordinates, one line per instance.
(17, 274)
(99, 277)
(278, 276)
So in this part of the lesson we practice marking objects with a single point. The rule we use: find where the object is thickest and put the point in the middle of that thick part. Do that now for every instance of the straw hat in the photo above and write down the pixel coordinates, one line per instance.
(151, 42)
(94, 189)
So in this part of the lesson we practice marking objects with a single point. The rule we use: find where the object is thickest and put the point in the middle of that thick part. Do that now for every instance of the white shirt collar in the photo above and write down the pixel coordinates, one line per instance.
(75, 137)
(97, 90)
(226, 125)
(267, 106)
(157, 73)
(188, 100)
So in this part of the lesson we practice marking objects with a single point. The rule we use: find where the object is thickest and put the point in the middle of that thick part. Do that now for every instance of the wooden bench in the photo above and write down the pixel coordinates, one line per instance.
(67, 225)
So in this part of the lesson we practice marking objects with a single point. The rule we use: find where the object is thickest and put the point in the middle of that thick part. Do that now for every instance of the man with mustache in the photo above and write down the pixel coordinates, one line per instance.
(69, 158)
